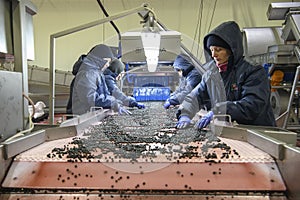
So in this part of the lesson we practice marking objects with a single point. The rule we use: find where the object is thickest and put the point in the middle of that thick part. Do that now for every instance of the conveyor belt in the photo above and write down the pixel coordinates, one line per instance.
(144, 153)
(255, 169)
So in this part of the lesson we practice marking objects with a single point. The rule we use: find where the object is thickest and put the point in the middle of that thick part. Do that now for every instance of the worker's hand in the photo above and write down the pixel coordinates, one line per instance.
(123, 111)
(140, 106)
(205, 120)
(167, 104)
(183, 122)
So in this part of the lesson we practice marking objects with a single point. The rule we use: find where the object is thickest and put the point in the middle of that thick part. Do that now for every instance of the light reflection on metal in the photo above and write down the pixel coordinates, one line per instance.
(151, 44)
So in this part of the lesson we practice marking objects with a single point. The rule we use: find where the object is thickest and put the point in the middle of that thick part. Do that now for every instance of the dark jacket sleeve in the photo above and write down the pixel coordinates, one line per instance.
(90, 91)
(117, 93)
(99, 93)
(206, 94)
(69, 104)
(186, 86)
(174, 97)
(253, 96)
(194, 101)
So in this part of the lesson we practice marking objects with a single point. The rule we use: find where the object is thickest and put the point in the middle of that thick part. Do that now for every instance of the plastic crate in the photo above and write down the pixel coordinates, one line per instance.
(151, 93)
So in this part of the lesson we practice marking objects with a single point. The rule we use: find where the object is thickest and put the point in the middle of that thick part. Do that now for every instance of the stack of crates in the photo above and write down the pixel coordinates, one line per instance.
(151, 93)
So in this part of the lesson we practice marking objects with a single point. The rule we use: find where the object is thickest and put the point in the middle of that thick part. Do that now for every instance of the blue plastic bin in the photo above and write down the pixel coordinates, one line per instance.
(151, 93)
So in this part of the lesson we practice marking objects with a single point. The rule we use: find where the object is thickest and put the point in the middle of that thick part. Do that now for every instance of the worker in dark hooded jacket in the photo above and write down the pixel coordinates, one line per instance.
(189, 79)
(90, 89)
(76, 67)
(112, 74)
(231, 85)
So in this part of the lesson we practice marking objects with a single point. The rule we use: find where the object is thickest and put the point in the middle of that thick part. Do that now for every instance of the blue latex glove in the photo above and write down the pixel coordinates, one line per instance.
(123, 111)
(205, 120)
(183, 122)
(167, 104)
(140, 105)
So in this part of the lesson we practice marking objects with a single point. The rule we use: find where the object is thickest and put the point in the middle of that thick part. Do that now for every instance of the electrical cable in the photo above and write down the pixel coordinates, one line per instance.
(115, 27)
(210, 23)
(31, 125)
(199, 35)
(197, 28)
(212, 16)
(31, 103)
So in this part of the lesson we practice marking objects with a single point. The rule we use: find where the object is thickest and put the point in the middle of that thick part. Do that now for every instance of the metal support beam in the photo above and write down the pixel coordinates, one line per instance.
(74, 30)
(20, 10)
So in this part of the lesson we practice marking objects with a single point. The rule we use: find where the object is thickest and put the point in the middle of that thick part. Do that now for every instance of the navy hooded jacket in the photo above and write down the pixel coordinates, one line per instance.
(189, 80)
(243, 91)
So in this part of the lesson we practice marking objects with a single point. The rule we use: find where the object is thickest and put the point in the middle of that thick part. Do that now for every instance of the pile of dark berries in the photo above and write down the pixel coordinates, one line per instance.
(143, 135)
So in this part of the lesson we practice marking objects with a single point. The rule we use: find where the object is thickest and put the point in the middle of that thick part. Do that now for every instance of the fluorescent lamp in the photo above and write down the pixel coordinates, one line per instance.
(151, 44)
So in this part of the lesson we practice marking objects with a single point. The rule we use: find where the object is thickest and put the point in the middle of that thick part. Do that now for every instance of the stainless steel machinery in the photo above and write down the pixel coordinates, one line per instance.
(277, 49)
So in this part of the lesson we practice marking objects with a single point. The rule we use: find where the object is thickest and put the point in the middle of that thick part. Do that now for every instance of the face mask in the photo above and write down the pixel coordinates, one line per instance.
(108, 60)
(120, 76)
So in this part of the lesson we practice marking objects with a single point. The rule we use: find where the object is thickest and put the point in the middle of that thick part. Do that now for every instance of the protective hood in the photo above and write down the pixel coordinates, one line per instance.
(231, 34)
(184, 63)
(77, 64)
(101, 51)
(116, 66)
(97, 55)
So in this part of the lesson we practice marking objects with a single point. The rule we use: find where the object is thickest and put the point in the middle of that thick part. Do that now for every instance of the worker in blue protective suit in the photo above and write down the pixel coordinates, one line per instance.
(90, 89)
(112, 74)
(189, 78)
(243, 91)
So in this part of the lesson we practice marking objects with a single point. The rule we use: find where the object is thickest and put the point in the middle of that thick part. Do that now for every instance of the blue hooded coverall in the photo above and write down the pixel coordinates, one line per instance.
(115, 91)
(189, 80)
(90, 89)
